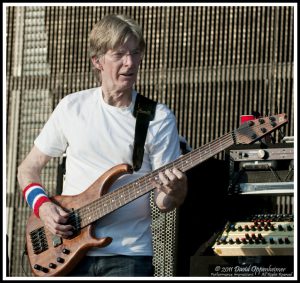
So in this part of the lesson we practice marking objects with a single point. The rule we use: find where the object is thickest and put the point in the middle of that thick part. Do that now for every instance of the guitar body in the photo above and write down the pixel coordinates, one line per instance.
(51, 255)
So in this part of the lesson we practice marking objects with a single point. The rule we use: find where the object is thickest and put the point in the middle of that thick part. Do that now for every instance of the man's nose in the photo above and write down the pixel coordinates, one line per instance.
(128, 59)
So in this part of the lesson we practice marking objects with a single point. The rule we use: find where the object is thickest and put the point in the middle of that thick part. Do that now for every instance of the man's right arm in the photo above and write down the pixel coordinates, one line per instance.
(29, 172)
(30, 169)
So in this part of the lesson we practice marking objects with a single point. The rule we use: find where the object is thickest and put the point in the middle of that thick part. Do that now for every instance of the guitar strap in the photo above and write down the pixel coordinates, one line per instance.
(144, 112)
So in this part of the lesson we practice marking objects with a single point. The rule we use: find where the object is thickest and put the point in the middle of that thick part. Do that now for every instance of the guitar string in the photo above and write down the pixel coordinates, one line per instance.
(87, 211)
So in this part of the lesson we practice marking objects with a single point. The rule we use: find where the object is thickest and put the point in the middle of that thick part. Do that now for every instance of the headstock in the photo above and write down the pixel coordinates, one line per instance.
(254, 130)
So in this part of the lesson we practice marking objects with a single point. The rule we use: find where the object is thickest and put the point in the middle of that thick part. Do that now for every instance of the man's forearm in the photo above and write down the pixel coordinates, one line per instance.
(27, 175)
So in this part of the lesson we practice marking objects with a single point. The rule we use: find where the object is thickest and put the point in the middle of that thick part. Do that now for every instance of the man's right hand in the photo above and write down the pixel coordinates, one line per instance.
(55, 219)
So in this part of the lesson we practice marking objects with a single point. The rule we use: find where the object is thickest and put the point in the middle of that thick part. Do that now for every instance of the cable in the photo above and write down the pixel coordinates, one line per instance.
(22, 264)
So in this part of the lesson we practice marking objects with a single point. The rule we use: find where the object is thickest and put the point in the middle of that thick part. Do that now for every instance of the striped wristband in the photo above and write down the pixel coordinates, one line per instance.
(35, 197)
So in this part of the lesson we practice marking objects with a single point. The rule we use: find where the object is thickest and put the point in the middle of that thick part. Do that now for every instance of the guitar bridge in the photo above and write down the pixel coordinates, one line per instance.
(75, 221)
(39, 240)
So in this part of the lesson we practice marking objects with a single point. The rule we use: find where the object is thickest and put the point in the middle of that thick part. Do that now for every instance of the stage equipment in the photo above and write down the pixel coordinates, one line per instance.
(261, 235)
(259, 212)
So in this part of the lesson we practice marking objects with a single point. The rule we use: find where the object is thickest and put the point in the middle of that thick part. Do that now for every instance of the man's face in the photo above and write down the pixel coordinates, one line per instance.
(120, 66)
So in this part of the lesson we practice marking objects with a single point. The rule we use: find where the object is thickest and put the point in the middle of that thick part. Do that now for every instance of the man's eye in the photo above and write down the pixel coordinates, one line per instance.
(136, 52)
(118, 55)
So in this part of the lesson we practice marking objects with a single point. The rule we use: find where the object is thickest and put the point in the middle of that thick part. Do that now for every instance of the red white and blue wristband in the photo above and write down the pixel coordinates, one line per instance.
(35, 196)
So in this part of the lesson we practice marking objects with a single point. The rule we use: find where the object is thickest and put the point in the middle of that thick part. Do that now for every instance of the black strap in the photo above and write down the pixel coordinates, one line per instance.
(144, 112)
(61, 171)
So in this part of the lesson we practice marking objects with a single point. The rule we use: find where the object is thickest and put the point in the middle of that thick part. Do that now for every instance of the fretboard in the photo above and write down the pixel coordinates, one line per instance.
(127, 193)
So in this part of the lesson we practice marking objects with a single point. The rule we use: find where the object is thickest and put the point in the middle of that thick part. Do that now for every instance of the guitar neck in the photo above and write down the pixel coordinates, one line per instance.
(247, 133)
(125, 194)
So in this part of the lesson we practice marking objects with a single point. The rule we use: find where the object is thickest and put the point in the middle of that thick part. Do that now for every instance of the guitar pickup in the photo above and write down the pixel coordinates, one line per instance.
(39, 240)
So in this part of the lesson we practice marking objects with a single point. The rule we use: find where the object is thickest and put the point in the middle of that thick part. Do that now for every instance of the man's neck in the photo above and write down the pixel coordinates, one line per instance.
(117, 99)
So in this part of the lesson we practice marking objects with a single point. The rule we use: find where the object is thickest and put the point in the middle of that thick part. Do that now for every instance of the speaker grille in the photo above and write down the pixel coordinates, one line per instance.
(164, 241)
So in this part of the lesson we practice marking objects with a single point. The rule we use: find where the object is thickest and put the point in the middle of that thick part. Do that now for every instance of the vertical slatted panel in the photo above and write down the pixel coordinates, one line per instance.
(258, 55)
(229, 24)
(195, 35)
(208, 64)
(16, 29)
(290, 77)
(223, 67)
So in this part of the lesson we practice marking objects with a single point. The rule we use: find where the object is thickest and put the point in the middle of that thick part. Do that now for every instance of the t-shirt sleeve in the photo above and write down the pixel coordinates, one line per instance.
(52, 140)
(165, 147)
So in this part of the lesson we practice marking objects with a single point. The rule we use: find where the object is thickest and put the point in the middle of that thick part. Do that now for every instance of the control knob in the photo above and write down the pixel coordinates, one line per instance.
(261, 153)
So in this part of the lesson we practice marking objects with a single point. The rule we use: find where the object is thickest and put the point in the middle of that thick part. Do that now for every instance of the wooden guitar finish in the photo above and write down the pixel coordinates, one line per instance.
(51, 255)
(41, 247)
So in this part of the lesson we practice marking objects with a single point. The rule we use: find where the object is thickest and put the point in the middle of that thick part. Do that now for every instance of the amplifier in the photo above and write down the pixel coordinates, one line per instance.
(263, 235)
(260, 154)
(256, 170)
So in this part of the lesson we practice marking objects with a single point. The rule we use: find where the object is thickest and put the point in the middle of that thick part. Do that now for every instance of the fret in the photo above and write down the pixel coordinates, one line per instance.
(183, 162)
(190, 164)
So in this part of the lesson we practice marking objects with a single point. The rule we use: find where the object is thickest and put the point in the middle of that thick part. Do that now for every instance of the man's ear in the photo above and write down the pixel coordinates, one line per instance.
(97, 64)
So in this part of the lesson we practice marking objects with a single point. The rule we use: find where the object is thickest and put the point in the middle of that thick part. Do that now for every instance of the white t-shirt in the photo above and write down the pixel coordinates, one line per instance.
(97, 136)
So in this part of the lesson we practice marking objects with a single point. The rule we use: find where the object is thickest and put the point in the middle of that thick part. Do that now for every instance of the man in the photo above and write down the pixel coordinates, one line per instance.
(95, 128)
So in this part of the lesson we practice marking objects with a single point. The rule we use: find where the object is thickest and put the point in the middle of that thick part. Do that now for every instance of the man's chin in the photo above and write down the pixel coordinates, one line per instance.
(125, 86)
(127, 83)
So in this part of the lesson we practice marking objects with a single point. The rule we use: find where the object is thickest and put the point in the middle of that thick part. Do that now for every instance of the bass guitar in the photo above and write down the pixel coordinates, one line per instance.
(51, 255)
